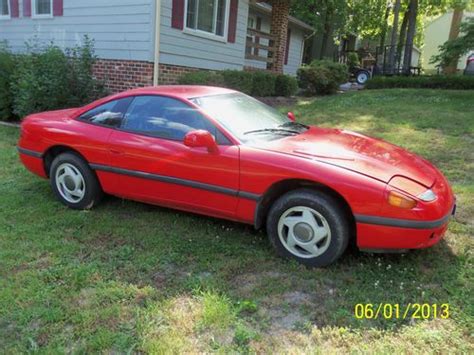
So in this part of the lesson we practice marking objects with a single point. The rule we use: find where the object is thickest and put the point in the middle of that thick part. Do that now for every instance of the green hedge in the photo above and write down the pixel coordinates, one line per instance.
(7, 66)
(455, 82)
(47, 79)
(322, 77)
(255, 83)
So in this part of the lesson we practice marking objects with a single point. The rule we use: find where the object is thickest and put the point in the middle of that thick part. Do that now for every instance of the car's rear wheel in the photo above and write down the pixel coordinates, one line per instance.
(74, 183)
(308, 226)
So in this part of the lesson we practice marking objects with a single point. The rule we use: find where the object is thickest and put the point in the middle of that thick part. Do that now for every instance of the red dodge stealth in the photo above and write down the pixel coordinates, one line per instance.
(221, 153)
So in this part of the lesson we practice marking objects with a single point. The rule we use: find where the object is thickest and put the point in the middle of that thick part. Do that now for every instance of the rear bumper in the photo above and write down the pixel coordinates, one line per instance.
(388, 233)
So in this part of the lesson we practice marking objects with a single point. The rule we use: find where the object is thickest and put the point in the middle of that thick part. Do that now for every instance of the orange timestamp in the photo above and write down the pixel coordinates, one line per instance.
(399, 311)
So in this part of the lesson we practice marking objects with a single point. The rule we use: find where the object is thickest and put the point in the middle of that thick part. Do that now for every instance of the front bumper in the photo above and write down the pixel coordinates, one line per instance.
(384, 233)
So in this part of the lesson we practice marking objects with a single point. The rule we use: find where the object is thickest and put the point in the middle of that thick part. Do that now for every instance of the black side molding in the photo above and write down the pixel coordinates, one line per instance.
(29, 152)
(177, 181)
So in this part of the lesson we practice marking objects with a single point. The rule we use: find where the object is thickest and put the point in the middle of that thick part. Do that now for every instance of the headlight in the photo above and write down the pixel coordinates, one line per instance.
(427, 196)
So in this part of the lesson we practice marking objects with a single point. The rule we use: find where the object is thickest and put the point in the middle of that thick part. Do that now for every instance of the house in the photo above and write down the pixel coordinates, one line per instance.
(191, 35)
(436, 33)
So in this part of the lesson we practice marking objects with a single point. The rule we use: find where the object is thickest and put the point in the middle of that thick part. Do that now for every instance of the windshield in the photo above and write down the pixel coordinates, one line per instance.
(246, 118)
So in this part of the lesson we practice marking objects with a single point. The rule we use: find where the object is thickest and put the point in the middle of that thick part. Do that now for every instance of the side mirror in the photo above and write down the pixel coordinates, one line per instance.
(200, 138)
(291, 116)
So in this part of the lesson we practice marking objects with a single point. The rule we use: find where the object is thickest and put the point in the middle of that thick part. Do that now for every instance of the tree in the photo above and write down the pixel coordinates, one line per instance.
(413, 13)
(393, 37)
(452, 49)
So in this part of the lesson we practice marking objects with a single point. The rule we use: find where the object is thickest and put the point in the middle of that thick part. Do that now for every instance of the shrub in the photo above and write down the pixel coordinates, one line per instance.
(422, 82)
(50, 79)
(7, 64)
(263, 83)
(255, 83)
(322, 77)
(353, 60)
(203, 77)
(238, 80)
(285, 85)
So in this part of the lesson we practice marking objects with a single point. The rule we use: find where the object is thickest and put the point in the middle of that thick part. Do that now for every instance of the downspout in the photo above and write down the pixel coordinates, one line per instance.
(156, 67)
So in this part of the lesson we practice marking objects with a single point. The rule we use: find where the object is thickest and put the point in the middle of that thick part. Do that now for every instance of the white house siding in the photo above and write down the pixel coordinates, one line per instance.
(296, 46)
(184, 49)
(122, 29)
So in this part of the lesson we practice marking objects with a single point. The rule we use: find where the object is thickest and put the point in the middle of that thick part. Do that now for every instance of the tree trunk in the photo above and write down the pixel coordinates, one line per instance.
(393, 37)
(401, 39)
(384, 28)
(410, 36)
(453, 34)
(327, 34)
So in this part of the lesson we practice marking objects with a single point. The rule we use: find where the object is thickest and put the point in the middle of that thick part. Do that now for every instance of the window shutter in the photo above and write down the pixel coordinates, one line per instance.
(57, 7)
(287, 50)
(26, 8)
(177, 14)
(14, 8)
(234, 6)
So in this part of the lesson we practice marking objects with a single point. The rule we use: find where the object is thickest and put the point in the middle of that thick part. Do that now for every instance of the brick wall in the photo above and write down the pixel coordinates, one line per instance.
(121, 75)
(169, 74)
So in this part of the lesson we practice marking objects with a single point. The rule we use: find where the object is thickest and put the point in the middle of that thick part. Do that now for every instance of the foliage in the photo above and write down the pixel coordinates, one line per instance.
(285, 85)
(422, 82)
(239, 80)
(7, 65)
(255, 83)
(322, 77)
(202, 77)
(263, 83)
(49, 79)
(455, 48)
(353, 60)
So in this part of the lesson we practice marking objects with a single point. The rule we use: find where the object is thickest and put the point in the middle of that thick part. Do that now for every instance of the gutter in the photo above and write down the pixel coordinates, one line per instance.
(156, 66)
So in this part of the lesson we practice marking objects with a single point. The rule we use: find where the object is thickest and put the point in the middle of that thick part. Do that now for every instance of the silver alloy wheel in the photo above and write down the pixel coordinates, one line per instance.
(304, 232)
(362, 78)
(70, 183)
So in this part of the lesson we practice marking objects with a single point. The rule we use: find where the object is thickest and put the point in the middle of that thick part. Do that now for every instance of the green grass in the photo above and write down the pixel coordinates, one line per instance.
(128, 277)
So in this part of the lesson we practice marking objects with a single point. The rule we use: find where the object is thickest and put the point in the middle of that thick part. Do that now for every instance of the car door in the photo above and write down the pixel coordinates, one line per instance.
(155, 166)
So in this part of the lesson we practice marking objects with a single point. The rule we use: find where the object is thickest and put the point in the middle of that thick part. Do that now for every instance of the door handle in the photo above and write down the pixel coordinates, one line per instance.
(116, 152)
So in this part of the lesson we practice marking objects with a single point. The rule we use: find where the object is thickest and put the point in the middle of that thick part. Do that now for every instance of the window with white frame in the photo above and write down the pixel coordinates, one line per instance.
(208, 16)
(42, 8)
(4, 9)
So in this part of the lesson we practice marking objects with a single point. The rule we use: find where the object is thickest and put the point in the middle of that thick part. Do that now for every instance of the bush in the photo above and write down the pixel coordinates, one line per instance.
(285, 85)
(238, 80)
(422, 82)
(202, 78)
(263, 83)
(322, 77)
(7, 65)
(255, 83)
(51, 79)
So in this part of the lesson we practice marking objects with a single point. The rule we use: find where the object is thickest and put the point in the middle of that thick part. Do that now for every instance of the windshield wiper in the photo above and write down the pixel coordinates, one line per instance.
(273, 130)
(293, 124)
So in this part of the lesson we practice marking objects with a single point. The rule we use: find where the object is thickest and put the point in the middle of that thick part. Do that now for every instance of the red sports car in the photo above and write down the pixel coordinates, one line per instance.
(221, 153)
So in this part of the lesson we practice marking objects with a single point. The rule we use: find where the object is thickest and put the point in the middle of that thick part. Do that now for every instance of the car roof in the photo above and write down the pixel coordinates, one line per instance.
(179, 91)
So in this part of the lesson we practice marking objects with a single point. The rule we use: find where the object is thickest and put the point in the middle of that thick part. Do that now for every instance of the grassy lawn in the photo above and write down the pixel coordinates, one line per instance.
(128, 277)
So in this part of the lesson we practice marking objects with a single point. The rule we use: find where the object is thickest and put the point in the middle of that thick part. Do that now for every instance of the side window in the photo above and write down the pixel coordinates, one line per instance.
(109, 114)
(164, 117)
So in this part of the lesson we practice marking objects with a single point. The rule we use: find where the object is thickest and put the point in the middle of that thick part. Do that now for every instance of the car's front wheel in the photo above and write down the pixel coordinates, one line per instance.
(74, 183)
(309, 226)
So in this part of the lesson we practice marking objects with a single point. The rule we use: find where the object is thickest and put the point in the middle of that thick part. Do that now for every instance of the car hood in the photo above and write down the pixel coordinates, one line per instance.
(353, 151)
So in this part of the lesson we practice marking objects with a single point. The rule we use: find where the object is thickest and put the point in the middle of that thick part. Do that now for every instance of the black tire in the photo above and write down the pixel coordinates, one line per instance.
(366, 77)
(92, 190)
(324, 204)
